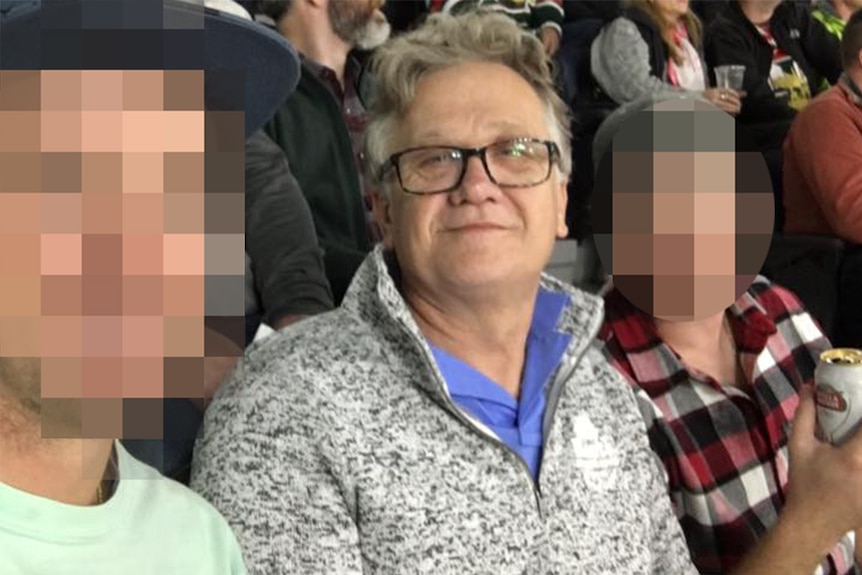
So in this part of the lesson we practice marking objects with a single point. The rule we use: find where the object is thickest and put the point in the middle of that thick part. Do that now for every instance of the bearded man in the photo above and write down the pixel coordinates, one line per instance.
(321, 126)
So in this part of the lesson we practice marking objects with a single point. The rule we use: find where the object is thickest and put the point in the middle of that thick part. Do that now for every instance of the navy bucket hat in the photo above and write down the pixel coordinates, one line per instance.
(247, 66)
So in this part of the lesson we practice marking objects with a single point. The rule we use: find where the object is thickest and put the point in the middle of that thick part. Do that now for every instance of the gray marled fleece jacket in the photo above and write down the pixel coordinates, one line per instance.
(336, 448)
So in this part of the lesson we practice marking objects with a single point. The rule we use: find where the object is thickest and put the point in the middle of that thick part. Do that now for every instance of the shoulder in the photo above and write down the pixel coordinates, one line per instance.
(158, 501)
(319, 356)
(830, 109)
(792, 14)
(641, 20)
(727, 25)
(777, 301)
(786, 311)
(621, 30)
(831, 103)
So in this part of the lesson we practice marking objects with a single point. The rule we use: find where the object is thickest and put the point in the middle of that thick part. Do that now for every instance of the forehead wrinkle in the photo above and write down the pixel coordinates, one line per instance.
(473, 117)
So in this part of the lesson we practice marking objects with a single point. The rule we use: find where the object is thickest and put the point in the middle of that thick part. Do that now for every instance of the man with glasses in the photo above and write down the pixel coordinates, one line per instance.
(453, 416)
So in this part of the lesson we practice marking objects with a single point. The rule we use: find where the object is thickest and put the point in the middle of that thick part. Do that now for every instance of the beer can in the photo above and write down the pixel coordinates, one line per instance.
(838, 394)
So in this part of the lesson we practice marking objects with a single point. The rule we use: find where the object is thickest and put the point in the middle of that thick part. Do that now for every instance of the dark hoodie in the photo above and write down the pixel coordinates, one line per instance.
(732, 39)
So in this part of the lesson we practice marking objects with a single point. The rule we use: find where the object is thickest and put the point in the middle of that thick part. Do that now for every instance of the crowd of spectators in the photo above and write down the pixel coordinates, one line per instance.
(417, 359)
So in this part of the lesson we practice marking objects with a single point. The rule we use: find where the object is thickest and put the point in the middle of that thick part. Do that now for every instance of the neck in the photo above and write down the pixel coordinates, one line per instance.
(758, 12)
(671, 21)
(707, 345)
(308, 29)
(702, 334)
(855, 76)
(65, 470)
(842, 10)
(490, 334)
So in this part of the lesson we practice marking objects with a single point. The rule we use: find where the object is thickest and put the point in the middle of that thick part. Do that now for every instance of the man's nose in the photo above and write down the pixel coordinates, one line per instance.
(476, 185)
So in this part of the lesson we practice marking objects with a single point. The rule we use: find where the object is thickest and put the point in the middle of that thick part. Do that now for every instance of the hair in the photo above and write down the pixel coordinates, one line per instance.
(690, 21)
(851, 42)
(275, 9)
(445, 41)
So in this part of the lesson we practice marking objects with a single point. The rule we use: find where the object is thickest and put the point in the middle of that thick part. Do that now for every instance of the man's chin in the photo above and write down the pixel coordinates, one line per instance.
(374, 34)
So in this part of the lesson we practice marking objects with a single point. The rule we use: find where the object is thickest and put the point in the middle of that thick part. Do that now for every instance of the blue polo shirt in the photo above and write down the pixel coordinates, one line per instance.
(517, 422)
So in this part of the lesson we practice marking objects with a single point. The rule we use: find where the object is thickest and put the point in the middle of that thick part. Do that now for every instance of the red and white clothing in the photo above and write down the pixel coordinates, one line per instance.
(786, 78)
(689, 74)
(724, 448)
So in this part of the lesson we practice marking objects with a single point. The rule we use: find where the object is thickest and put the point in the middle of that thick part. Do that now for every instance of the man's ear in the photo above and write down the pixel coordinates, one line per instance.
(562, 202)
(381, 208)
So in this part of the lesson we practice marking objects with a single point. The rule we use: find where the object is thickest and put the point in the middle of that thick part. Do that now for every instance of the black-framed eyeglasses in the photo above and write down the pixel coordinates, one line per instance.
(516, 163)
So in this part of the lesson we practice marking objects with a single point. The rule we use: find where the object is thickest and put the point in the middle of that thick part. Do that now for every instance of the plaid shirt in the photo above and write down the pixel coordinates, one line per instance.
(724, 448)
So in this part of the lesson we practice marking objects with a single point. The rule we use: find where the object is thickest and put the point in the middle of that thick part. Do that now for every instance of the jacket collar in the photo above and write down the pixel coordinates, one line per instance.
(751, 325)
(854, 92)
(375, 297)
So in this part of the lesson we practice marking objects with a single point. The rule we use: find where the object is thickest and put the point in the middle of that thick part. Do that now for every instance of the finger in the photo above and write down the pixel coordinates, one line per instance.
(854, 443)
(804, 422)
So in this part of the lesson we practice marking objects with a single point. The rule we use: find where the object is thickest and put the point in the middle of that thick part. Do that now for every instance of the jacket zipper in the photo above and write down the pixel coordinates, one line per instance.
(556, 390)
(554, 396)
(496, 441)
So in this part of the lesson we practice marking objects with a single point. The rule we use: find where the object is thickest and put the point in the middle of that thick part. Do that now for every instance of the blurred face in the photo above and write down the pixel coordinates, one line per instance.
(690, 218)
(359, 23)
(692, 240)
(672, 9)
(478, 236)
(105, 252)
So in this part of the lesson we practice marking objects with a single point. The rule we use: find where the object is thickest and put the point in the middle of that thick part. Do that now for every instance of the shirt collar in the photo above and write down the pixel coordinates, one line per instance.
(352, 67)
(635, 332)
(854, 92)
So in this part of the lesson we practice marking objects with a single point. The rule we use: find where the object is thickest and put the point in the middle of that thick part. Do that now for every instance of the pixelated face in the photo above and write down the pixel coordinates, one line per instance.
(121, 264)
(683, 220)
(480, 234)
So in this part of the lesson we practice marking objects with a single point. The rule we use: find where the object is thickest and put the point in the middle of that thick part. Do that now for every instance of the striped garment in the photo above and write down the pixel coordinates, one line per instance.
(532, 14)
(724, 448)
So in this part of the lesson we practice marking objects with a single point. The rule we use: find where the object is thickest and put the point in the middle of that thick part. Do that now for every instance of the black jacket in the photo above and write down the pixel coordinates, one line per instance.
(732, 39)
(311, 130)
(287, 262)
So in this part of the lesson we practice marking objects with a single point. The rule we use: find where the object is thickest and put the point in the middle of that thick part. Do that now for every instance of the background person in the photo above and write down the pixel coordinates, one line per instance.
(654, 49)
(725, 362)
(320, 127)
(109, 197)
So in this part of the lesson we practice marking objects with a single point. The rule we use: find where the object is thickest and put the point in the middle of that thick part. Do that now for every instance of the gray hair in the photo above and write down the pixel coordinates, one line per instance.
(445, 41)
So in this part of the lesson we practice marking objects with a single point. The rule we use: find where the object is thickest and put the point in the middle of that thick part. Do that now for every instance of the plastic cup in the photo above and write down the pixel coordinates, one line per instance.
(729, 77)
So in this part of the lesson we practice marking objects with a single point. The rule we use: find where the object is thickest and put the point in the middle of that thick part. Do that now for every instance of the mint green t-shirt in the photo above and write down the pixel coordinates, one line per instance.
(150, 525)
